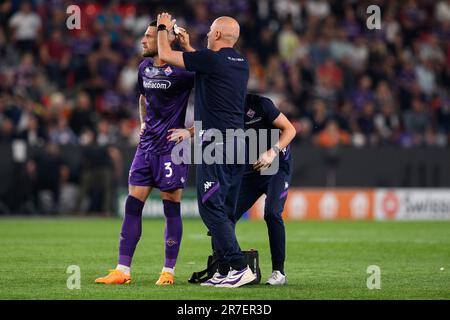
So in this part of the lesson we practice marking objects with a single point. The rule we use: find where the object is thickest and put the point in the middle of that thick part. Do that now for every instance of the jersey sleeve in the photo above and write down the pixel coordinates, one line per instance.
(269, 111)
(199, 61)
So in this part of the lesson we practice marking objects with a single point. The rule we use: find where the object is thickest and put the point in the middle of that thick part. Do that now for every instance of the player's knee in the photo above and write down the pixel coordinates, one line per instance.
(139, 192)
(173, 196)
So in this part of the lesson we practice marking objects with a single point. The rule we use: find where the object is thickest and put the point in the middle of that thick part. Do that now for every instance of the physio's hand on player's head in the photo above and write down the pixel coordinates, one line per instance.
(178, 135)
(183, 38)
(265, 160)
(165, 19)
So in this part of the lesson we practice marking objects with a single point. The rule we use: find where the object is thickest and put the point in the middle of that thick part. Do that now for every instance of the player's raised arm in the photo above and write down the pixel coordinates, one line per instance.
(165, 52)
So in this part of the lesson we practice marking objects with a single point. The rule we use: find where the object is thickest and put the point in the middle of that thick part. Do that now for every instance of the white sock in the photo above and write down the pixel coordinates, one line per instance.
(124, 269)
(170, 270)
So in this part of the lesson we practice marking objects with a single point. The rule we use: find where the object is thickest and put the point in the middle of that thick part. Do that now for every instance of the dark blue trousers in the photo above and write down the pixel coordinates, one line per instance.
(276, 188)
(217, 193)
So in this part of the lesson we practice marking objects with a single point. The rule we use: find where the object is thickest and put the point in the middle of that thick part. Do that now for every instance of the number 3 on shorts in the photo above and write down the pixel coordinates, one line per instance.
(167, 166)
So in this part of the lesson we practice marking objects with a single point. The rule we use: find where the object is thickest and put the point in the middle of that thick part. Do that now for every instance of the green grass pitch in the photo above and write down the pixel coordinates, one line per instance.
(325, 260)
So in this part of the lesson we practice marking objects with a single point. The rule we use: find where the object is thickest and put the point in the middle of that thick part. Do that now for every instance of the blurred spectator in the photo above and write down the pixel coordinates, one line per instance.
(287, 43)
(417, 120)
(83, 115)
(387, 124)
(366, 121)
(318, 8)
(109, 20)
(363, 93)
(383, 95)
(96, 177)
(329, 80)
(55, 56)
(25, 25)
(47, 171)
(33, 133)
(61, 134)
(104, 63)
(6, 130)
(332, 136)
(319, 117)
(127, 135)
(105, 136)
(442, 11)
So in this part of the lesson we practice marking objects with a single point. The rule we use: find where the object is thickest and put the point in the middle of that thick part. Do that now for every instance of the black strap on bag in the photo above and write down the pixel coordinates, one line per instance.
(206, 274)
(252, 258)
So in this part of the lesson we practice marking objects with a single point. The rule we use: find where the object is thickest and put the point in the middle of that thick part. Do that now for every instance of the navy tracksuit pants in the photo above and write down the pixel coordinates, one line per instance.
(218, 188)
(276, 188)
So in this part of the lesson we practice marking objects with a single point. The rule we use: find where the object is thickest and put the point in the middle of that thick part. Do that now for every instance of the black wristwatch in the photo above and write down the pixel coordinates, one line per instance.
(276, 149)
(162, 27)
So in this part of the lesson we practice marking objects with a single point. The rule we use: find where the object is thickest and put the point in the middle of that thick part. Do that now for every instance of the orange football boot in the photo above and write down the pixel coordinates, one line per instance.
(166, 278)
(114, 277)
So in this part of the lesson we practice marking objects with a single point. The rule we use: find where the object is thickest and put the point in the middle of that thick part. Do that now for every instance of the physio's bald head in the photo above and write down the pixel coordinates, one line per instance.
(224, 29)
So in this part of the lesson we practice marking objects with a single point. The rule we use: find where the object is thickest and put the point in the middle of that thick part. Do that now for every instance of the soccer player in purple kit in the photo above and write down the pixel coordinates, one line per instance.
(164, 93)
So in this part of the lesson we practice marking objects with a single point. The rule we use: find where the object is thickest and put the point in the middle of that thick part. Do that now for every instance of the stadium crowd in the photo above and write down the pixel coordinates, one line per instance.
(338, 81)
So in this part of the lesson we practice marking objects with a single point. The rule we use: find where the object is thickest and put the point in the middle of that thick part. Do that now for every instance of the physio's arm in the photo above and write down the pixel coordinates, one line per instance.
(165, 52)
(288, 131)
(287, 134)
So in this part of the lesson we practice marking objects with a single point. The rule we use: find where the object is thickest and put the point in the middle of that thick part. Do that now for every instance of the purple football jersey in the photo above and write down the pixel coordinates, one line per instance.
(166, 89)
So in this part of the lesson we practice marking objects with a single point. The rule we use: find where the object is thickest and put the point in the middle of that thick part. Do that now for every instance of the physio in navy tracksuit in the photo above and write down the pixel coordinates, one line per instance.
(221, 75)
(261, 113)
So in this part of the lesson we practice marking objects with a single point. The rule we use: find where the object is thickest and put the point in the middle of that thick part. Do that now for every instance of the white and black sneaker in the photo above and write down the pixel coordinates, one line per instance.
(216, 279)
(276, 279)
(237, 278)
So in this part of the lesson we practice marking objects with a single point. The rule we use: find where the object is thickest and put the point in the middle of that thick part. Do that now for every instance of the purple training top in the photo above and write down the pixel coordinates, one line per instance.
(166, 89)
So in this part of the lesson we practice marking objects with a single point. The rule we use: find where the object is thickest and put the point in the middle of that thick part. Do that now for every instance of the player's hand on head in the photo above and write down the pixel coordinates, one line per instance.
(165, 19)
(178, 135)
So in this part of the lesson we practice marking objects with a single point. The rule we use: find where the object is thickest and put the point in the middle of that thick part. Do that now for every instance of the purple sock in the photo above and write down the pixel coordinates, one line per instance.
(131, 230)
(172, 232)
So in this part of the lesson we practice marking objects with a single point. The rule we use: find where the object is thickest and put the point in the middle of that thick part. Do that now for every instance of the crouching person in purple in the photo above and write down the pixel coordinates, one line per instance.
(164, 93)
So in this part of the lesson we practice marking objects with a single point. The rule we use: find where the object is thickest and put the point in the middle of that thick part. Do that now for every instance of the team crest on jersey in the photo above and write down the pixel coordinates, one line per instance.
(250, 113)
(168, 70)
(150, 72)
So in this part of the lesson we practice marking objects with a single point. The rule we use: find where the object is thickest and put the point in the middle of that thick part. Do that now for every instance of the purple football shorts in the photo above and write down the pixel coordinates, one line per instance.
(157, 171)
